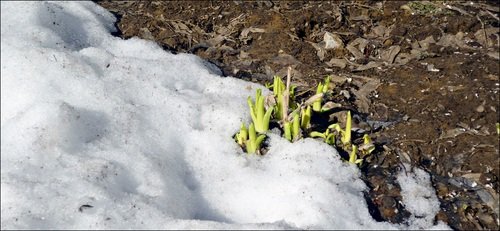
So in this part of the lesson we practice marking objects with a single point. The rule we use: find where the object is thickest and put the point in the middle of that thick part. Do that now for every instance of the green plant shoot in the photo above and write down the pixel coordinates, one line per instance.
(317, 103)
(279, 92)
(242, 136)
(292, 129)
(321, 89)
(326, 85)
(268, 85)
(353, 156)
(278, 89)
(367, 146)
(305, 117)
(345, 133)
(278, 107)
(328, 137)
(287, 127)
(259, 117)
(254, 141)
(296, 127)
(498, 128)
(346, 139)
(278, 86)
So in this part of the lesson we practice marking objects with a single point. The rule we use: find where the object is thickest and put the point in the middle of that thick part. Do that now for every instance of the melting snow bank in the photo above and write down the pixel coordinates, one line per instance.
(418, 196)
(102, 133)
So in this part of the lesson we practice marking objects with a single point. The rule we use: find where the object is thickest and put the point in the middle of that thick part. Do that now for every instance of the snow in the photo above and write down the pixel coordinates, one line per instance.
(416, 191)
(103, 133)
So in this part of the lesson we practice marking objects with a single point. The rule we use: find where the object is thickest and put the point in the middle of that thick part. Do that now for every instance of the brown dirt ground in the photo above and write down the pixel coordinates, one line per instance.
(421, 77)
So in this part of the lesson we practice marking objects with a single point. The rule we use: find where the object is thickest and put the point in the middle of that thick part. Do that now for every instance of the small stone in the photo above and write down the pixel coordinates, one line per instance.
(414, 121)
(431, 68)
(332, 41)
(388, 42)
(345, 94)
(480, 108)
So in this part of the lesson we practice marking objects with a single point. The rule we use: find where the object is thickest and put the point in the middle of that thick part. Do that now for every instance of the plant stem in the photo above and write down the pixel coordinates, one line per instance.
(286, 95)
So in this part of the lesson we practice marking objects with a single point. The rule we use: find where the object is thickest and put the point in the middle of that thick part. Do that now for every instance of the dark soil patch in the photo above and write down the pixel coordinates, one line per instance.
(421, 77)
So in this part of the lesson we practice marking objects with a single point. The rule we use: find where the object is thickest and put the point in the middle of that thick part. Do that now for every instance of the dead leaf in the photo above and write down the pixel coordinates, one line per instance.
(297, 75)
(269, 101)
(424, 44)
(404, 58)
(243, 55)
(313, 98)
(488, 41)
(494, 54)
(390, 54)
(405, 158)
(146, 34)
(330, 105)
(455, 88)
(246, 31)
(180, 27)
(285, 60)
(361, 44)
(454, 132)
(215, 41)
(340, 117)
(449, 40)
(337, 63)
(354, 51)
(380, 31)
(320, 50)
(226, 48)
(472, 176)
(362, 100)
(338, 79)
(360, 18)
(370, 65)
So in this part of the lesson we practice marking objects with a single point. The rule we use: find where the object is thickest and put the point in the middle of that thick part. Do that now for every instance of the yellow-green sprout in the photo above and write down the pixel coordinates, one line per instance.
(278, 86)
(328, 137)
(254, 141)
(279, 89)
(498, 128)
(367, 146)
(242, 136)
(292, 129)
(278, 107)
(353, 156)
(259, 117)
(321, 89)
(268, 85)
(345, 133)
(287, 127)
(296, 127)
(305, 119)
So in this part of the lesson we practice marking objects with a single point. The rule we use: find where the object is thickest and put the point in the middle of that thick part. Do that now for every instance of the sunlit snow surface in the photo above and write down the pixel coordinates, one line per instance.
(103, 133)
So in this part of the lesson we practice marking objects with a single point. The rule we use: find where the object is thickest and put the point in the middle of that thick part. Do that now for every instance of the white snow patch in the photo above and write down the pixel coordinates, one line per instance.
(103, 133)
(419, 197)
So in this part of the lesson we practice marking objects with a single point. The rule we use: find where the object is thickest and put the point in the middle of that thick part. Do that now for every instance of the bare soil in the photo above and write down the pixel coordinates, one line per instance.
(422, 78)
